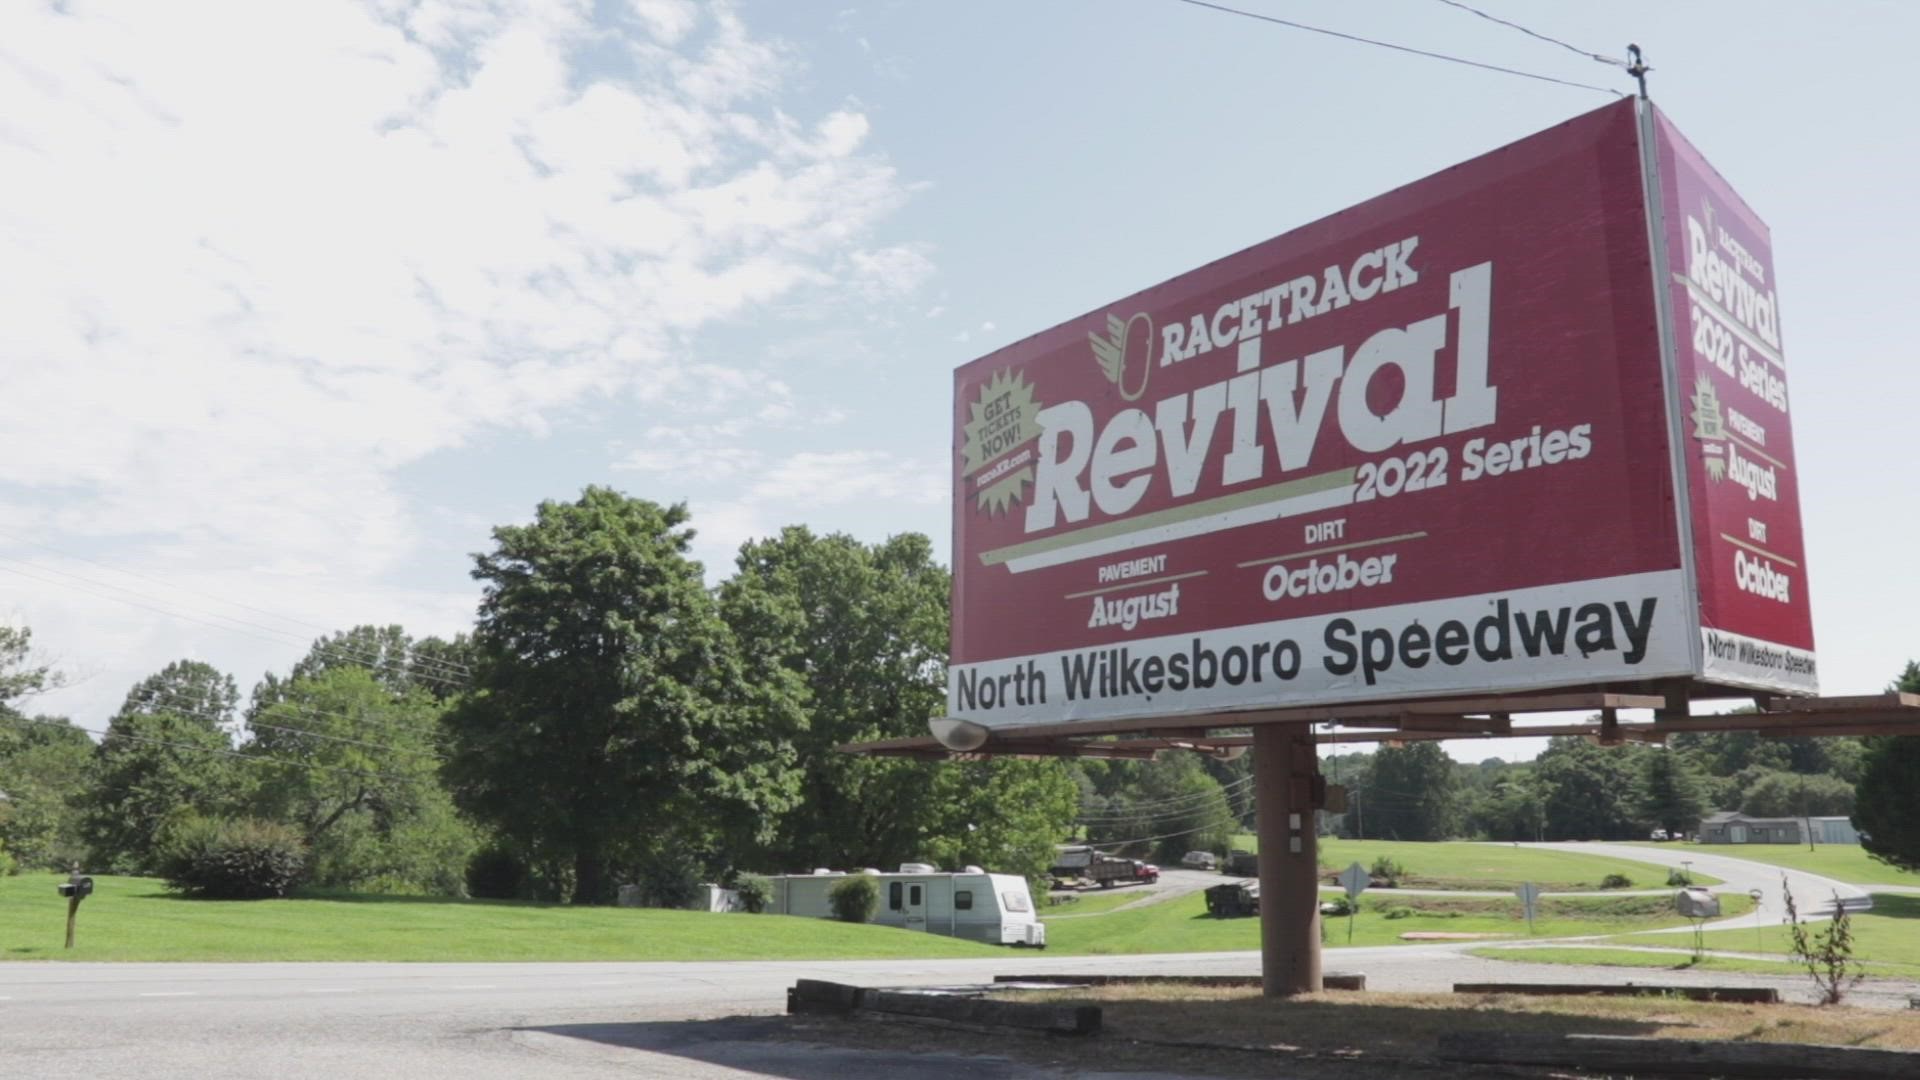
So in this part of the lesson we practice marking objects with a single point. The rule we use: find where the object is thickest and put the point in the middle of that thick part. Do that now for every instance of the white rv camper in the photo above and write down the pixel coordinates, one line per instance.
(971, 904)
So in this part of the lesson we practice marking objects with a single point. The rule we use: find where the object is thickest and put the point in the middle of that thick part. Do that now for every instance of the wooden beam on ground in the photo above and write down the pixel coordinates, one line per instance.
(1639, 1056)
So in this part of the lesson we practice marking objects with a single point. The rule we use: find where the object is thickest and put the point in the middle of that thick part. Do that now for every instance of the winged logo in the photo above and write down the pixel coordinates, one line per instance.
(1110, 352)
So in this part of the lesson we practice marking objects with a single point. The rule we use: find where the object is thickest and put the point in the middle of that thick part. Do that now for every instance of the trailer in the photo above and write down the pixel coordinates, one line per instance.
(970, 903)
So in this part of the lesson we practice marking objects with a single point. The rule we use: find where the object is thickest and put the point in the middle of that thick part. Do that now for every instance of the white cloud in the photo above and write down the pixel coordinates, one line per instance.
(241, 286)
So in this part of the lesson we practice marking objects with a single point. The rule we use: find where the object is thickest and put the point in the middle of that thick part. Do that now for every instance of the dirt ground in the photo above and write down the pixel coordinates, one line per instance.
(1334, 1036)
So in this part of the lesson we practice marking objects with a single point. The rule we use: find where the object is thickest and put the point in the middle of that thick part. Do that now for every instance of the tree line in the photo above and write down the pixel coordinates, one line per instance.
(611, 719)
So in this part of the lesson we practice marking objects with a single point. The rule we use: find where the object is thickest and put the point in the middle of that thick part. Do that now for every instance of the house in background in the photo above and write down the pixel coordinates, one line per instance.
(1732, 827)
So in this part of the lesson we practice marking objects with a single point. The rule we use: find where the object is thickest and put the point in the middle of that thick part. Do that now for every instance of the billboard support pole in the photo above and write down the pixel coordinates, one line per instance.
(1286, 764)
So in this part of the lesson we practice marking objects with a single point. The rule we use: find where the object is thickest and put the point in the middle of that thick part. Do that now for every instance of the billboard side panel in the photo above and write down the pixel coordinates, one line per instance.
(1743, 489)
(1443, 407)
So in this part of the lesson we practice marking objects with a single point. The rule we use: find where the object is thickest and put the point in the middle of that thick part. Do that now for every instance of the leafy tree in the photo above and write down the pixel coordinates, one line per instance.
(614, 716)
(1410, 793)
(1668, 793)
(1792, 795)
(1886, 811)
(45, 766)
(350, 762)
(1583, 787)
(389, 654)
(166, 757)
(19, 677)
(863, 629)
(1509, 808)
(1165, 807)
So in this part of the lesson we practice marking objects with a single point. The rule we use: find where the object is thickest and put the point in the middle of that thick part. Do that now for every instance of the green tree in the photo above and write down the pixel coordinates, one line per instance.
(392, 656)
(1583, 789)
(1410, 793)
(615, 722)
(1885, 809)
(19, 677)
(863, 629)
(350, 761)
(45, 767)
(1164, 807)
(1793, 795)
(166, 756)
(1668, 794)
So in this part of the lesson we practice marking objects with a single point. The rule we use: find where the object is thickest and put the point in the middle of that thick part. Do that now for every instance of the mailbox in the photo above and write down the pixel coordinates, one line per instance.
(1697, 903)
(76, 888)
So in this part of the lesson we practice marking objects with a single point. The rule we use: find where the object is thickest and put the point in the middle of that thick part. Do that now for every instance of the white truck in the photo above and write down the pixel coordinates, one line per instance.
(971, 903)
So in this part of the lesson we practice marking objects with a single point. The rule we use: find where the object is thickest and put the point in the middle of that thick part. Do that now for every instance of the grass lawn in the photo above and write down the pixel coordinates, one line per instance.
(1183, 925)
(1093, 902)
(1674, 961)
(1889, 934)
(135, 919)
(1458, 864)
(1842, 862)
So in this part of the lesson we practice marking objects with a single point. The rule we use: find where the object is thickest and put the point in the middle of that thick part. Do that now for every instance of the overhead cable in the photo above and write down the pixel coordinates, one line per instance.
(1611, 61)
(1398, 48)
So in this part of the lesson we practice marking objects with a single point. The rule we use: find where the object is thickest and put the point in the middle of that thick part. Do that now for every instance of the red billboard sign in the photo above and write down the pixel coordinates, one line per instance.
(1422, 446)
(1744, 492)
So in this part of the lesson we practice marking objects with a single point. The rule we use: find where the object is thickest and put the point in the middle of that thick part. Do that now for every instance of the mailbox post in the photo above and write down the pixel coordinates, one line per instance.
(76, 888)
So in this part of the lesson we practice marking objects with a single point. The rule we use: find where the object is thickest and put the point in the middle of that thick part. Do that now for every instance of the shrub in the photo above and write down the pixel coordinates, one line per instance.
(232, 859)
(1616, 881)
(494, 873)
(1338, 906)
(1388, 870)
(1678, 877)
(754, 891)
(855, 898)
(1396, 912)
(7, 864)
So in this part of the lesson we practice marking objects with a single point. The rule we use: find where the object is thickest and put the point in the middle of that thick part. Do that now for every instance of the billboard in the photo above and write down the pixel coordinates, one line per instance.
(1423, 446)
(1756, 626)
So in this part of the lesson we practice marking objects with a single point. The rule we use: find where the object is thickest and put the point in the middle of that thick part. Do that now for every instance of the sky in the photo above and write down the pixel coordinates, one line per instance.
(297, 302)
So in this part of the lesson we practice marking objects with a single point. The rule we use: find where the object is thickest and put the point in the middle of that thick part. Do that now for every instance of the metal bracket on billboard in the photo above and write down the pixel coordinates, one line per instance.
(957, 734)
(1638, 68)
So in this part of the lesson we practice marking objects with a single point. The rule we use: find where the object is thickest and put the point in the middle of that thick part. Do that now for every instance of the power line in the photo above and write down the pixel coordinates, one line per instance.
(170, 700)
(1608, 60)
(1164, 807)
(283, 636)
(243, 756)
(1397, 48)
(447, 666)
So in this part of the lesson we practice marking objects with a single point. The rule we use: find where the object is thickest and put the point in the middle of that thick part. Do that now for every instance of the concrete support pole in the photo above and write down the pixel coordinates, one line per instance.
(1285, 764)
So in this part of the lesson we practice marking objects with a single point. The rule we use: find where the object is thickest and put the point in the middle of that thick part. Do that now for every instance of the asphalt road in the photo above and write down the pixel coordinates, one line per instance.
(480, 1021)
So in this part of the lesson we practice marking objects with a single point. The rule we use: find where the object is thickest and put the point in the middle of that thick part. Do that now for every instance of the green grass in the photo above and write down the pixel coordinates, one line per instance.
(1842, 862)
(1889, 934)
(1671, 961)
(1183, 925)
(135, 919)
(1094, 902)
(1463, 865)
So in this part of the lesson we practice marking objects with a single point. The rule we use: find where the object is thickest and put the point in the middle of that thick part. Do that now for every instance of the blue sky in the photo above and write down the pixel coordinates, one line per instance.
(293, 308)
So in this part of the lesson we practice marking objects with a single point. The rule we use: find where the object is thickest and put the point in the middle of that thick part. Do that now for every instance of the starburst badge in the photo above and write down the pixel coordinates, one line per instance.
(1110, 352)
(999, 461)
(1709, 426)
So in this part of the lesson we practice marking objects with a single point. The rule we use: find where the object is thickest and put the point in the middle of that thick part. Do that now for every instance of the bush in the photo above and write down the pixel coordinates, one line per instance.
(1678, 877)
(232, 859)
(1396, 912)
(1338, 906)
(7, 865)
(754, 891)
(494, 873)
(1388, 870)
(855, 898)
(1616, 881)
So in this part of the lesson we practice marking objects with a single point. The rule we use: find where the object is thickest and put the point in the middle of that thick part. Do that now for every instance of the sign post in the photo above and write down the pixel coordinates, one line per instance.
(76, 888)
(1529, 895)
(1355, 879)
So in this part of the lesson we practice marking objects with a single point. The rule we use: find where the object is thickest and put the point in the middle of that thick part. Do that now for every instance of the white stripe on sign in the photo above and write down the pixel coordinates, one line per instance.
(1180, 530)
(171, 993)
